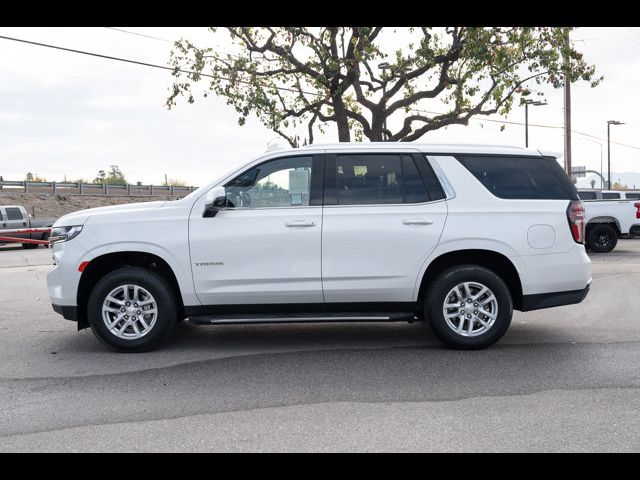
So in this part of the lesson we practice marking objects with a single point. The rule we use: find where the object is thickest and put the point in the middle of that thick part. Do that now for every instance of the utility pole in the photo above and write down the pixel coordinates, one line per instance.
(567, 104)
(609, 155)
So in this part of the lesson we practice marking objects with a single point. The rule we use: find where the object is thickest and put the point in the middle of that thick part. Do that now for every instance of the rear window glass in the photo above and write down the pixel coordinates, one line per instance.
(588, 195)
(633, 196)
(518, 177)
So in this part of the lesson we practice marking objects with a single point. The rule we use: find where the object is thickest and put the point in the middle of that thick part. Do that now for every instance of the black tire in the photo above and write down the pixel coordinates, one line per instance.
(29, 246)
(437, 292)
(602, 238)
(157, 286)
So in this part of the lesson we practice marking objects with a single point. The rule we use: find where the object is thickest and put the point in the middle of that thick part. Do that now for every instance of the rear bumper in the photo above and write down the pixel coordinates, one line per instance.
(553, 299)
(635, 230)
(69, 312)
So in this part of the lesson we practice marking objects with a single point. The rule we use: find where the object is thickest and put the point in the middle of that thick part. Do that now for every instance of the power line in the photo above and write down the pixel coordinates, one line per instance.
(139, 34)
(628, 37)
(633, 32)
(146, 64)
(157, 38)
(99, 55)
(531, 125)
(424, 111)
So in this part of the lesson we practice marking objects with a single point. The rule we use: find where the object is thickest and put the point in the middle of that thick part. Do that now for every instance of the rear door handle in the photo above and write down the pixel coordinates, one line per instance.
(416, 221)
(300, 223)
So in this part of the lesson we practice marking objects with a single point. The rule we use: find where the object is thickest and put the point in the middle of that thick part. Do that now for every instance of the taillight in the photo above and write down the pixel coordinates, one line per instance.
(575, 215)
(637, 205)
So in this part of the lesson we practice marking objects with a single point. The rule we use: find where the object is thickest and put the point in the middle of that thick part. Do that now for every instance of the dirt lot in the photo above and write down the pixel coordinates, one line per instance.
(53, 206)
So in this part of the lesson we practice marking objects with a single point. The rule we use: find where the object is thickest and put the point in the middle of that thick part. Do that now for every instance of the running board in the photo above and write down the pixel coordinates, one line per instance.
(303, 318)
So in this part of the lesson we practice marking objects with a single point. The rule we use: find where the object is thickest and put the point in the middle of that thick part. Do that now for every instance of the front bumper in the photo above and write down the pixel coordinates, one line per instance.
(553, 299)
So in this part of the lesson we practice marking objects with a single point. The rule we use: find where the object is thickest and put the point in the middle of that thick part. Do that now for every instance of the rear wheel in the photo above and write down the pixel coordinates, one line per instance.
(468, 307)
(132, 309)
(602, 238)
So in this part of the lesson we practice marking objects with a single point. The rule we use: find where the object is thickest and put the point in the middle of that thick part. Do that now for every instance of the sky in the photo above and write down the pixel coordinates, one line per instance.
(68, 115)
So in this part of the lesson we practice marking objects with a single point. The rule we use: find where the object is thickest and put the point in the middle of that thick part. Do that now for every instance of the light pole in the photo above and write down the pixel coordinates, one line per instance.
(383, 66)
(535, 103)
(609, 123)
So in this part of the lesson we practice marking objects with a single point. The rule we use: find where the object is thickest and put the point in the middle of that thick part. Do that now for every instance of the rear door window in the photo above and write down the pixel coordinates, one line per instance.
(369, 179)
(414, 188)
(610, 195)
(520, 177)
(378, 179)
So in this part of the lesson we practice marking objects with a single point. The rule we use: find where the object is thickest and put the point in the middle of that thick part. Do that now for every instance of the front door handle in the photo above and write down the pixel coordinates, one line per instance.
(300, 223)
(416, 221)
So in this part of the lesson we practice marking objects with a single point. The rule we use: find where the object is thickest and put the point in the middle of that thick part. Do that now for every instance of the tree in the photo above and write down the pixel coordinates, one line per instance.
(34, 177)
(593, 183)
(100, 178)
(293, 77)
(619, 186)
(176, 182)
(113, 177)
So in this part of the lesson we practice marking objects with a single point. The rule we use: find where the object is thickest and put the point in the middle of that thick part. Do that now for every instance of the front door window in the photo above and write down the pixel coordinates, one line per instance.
(284, 182)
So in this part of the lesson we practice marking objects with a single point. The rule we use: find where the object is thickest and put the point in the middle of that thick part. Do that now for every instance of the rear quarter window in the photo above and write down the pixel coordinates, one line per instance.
(519, 177)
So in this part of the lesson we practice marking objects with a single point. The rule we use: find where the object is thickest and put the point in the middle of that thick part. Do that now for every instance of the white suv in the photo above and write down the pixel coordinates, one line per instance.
(457, 235)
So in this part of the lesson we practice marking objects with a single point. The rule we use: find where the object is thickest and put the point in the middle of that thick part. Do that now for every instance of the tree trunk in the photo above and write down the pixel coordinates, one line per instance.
(377, 122)
(344, 135)
(376, 134)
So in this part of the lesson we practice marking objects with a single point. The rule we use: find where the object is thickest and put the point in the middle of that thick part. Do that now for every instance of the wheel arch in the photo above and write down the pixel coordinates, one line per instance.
(605, 220)
(103, 264)
(497, 262)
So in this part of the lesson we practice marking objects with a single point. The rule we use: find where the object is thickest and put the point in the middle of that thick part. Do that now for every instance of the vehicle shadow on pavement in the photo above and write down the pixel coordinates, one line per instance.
(336, 335)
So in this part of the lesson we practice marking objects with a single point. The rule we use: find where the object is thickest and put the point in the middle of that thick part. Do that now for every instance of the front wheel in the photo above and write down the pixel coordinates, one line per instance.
(468, 307)
(132, 309)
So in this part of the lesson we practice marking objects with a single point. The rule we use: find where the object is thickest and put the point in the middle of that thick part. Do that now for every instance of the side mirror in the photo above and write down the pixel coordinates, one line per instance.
(216, 200)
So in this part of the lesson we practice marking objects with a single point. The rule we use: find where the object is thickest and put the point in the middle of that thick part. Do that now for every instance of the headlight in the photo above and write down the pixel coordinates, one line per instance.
(64, 234)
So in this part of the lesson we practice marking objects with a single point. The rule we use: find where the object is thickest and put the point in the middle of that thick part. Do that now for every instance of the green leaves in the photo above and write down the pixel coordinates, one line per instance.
(297, 79)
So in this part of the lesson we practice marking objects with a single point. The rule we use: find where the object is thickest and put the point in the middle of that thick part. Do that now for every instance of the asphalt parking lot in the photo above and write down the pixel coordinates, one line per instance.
(565, 379)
